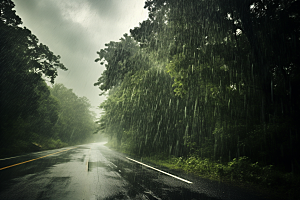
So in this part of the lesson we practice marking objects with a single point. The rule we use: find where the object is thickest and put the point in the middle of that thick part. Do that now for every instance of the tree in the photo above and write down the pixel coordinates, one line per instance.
(25, 63)
(75, 122)
(121, 58)
(241, 57)
(234, 68)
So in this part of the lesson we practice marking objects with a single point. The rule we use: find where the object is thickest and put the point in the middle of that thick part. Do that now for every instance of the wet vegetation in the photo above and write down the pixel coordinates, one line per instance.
(34, 115)
(207, 86)
(210, 86)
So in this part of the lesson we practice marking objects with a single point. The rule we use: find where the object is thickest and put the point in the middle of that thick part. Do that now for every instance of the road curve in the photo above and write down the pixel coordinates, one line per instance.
(93, 171)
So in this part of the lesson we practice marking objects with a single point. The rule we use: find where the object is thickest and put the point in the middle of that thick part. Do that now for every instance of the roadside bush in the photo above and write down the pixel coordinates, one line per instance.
(53, 144)
(239, 169)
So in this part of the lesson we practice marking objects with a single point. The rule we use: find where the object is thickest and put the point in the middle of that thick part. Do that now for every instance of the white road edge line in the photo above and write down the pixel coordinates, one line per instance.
(23, 155)
(29, 154)
(161, 171)
(10, 158)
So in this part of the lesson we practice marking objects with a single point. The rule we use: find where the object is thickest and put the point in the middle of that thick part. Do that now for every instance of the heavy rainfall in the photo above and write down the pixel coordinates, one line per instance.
(154, 99)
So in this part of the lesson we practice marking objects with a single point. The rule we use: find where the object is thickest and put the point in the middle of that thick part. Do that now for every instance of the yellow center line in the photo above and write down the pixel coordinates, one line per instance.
(34, 159)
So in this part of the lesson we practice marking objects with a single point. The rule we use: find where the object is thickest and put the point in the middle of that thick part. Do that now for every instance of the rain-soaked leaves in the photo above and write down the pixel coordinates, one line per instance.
(220, 71)
(29, 113)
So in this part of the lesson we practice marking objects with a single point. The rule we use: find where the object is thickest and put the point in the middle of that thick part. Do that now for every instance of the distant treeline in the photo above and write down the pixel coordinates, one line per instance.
(215, 79)
(34, 115)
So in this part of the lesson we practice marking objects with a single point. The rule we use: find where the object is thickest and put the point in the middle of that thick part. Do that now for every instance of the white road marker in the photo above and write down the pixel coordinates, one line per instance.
(113, 164)
(161, 171)
(35, 159)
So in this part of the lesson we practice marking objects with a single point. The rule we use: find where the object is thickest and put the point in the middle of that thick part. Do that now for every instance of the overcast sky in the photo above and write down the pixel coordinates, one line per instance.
(75, 30)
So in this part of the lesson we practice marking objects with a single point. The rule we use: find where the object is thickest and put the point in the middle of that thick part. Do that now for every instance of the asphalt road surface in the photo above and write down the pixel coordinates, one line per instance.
(93, 171)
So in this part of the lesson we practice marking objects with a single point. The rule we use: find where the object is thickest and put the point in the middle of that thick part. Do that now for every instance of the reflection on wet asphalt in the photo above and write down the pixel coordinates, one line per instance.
(93, 171)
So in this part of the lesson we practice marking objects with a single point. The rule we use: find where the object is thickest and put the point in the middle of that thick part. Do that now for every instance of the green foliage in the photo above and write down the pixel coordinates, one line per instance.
(237, 170)
(31, 117)
(27, 109)
(74, 122)
(219, 87)
(121, 57)
(53, 144)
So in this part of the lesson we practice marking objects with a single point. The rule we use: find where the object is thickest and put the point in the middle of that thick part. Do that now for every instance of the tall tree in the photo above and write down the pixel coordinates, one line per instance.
(75, 122)
(121, 58)
(25, 63)
(234, 70)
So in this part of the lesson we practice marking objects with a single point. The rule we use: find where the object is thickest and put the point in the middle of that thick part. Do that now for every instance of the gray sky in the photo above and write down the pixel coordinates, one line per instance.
(75, 30)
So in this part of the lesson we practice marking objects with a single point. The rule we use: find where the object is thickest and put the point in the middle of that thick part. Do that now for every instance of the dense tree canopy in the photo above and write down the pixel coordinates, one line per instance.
(122, 57)
(24, 63)
(75, 122)
(29, 113)
(233, 67)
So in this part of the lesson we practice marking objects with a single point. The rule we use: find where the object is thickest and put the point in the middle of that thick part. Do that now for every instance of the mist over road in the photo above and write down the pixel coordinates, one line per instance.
(93, 171)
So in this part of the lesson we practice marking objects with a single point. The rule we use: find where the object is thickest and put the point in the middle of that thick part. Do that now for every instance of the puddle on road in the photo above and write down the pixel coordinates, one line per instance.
(92, 165)
(81, 159)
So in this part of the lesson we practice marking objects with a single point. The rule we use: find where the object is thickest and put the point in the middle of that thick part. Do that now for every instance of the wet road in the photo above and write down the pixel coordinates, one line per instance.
(93, 171)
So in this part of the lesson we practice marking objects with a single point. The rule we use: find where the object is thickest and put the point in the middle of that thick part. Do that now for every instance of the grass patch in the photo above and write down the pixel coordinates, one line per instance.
(264, 180)
(20, 147)
(52, 144)
(241, 172)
